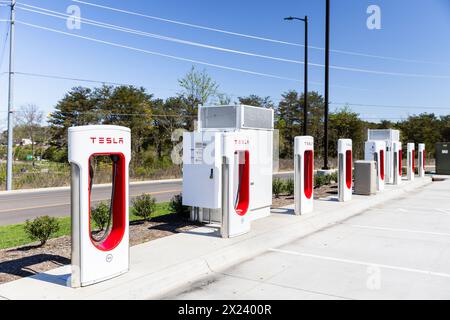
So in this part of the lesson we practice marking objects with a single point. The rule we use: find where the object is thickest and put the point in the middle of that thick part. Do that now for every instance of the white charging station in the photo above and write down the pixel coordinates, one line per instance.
(304, 174)
(389, 136)
(254, 123)
(421, 159)
(398, 163)
(345, 165)
(216, 175)
(95, 260)
(376, 151)
(411, 158)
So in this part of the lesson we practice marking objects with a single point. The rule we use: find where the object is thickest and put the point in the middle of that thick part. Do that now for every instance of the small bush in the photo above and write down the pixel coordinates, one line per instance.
(100, 215)
(42, 228)
(144, 206)
(176, 206)
(326, 179)
(290, 187)
(333, 177)
(277, 187)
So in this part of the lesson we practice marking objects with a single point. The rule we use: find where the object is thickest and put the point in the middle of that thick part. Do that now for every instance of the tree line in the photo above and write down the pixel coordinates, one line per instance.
(153, 120)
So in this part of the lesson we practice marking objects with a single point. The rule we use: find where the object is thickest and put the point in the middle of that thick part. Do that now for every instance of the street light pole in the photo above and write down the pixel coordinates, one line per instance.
(9, 165)
(327, 82)
(305, 109)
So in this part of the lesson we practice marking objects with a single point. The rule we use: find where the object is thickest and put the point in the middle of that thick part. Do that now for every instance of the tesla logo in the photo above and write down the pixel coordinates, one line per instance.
(107, 140)
(241, 141)
(109, 258)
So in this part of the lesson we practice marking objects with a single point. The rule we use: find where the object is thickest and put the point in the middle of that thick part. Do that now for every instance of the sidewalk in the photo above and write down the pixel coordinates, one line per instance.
(163, 265)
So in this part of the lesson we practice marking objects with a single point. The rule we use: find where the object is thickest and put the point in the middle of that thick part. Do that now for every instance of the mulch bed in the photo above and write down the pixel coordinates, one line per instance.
(16, 263)
(319, 193)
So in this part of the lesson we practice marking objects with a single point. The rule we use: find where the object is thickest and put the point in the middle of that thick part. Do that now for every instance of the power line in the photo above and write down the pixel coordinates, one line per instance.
(227, 50)
(4, 46)
(40, 75)
(159, 54)
(390, 106)
(253, 36)
(156, 36)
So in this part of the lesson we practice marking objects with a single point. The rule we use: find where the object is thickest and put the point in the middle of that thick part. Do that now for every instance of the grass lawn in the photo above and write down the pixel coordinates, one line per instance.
(14, 235)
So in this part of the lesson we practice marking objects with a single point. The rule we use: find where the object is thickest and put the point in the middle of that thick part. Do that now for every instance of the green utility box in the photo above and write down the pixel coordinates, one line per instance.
(443, 158)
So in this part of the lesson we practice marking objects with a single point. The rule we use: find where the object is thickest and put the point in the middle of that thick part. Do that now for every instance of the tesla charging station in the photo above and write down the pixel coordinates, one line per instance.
(216, 175)
(398, 163)
(376, 151)
(221, 191)
(389, 136)
(97, 259)
(345, 165)
(304, 174)
(421, 159)
(411, 158)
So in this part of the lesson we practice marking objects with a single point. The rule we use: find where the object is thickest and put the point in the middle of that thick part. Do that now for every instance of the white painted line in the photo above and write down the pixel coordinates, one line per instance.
(362, 263)
(397, 230)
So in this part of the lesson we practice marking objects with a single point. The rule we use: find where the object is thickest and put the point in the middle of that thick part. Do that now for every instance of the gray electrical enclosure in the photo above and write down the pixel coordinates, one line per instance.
(365, 177)
(443, 158)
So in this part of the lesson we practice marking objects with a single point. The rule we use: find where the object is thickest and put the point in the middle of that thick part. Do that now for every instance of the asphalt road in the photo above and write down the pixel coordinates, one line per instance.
(397, 250)
(18, 207)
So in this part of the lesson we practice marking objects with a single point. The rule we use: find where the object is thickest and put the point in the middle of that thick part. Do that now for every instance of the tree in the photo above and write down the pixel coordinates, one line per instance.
(445, 129)
(30, 118)
(424, 128)
(197, 89)
(289, 120)
(129, 107)
(345, 124)
(256, 101)
(77, 108)
(166, 121)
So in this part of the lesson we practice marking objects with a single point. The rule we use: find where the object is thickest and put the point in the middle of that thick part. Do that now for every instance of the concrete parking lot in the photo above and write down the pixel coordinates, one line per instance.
(397, 250)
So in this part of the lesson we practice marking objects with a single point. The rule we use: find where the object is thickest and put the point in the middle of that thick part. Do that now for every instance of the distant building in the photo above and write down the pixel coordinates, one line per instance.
(25, 142)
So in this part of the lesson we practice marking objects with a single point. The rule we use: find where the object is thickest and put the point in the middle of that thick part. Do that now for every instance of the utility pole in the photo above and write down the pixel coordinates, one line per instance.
(327, 84)
(9, 168)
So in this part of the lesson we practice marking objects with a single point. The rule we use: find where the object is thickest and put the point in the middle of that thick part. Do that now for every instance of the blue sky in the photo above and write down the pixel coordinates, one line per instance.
(411, 30)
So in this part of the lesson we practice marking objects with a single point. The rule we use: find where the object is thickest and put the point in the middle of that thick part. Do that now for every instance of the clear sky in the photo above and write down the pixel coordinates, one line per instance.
(417, 30)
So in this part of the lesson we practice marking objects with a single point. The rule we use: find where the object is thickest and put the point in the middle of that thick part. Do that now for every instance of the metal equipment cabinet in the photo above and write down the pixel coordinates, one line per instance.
(443, 158)
(365, 178)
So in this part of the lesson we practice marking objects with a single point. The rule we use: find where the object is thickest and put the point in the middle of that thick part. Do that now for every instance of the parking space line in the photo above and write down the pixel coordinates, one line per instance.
(362, 263)
(406, 209)
(397, 230)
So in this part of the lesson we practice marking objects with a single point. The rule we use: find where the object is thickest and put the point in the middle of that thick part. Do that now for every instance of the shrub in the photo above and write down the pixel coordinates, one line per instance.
(144, 206)
(42, 228)
(326, 179)
(290, 187)
(176, 205)
(277, 187)
(100, 215)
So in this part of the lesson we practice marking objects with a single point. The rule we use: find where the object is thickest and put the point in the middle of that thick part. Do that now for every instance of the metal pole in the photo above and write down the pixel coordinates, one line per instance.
(327, 82)
(305, 109)
(9, 169)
